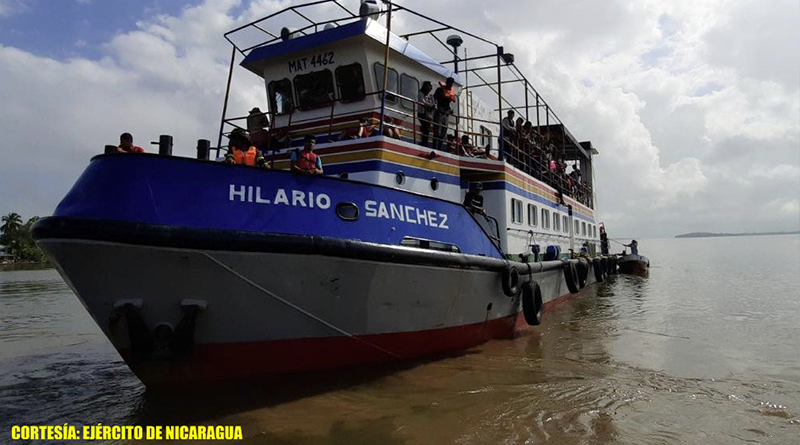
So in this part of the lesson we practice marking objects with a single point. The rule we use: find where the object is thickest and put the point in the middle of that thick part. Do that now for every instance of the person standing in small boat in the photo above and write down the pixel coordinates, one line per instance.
(634, 247)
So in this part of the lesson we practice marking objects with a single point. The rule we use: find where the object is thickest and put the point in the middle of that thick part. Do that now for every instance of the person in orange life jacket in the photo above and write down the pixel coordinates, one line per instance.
(242, 153)
(305, 161)
(443, 96)
(126, 144)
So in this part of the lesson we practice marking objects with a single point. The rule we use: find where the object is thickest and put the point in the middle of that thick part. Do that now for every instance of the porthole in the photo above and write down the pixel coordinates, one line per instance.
(347, 211)
(435, 184)
(344, 175)
(400, 178)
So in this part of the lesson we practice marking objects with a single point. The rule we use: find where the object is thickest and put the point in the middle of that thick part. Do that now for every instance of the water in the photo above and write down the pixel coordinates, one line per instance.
(706, 349)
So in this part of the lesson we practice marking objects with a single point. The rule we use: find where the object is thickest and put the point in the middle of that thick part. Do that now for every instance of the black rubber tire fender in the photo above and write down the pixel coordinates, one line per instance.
(583, 272)
(571, 277)
(597, 266)
(532, 304)
(511, 281)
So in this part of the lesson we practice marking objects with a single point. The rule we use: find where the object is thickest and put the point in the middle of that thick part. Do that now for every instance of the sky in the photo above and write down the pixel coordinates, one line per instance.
(694, 105)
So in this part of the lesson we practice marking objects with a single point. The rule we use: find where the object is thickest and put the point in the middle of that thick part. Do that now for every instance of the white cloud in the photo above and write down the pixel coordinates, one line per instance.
(11, 7)
(694, 105)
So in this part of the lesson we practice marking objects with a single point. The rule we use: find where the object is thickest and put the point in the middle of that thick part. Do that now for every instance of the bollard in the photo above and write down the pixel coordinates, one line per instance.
(165, 145)
(203, 147)
(110, 149)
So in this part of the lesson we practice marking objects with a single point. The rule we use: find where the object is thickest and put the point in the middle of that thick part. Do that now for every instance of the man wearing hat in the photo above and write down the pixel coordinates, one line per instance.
(444, 96)
(241, 152)
(473, 201)
(305, 161)
(257, 121)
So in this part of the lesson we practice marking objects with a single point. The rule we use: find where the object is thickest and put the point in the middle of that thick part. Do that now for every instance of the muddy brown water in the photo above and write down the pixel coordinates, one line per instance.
(704, 350)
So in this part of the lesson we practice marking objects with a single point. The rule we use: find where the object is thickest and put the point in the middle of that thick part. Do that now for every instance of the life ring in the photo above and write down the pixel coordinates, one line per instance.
(511, 281)
(571, 277)
(583, 273)
(597, 265)
(532, 305)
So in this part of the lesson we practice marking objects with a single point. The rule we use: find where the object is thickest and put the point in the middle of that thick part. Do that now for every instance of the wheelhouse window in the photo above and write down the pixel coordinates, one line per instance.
(350, 82)
(486, 138)
(280, 96)
(545, 219)
(565, 223)
(516, 211)
(314, 90)
(409, 85)
(391, 81)
(532, 213)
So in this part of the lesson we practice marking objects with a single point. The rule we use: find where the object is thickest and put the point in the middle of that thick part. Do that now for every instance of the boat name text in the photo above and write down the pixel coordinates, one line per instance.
(406, 213)
(294, 198)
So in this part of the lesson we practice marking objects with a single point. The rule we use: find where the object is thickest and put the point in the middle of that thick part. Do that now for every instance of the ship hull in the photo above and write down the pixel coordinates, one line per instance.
(269, 313)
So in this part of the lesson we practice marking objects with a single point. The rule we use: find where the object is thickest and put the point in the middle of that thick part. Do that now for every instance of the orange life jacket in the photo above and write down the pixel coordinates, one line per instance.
(245, 157)
(306, 160)
(449, 93)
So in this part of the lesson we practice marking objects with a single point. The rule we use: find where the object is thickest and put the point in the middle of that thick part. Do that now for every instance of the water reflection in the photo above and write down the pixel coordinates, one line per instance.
(684, 355)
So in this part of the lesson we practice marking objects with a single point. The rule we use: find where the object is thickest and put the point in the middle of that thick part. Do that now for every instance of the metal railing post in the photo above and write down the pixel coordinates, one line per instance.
(225, 105)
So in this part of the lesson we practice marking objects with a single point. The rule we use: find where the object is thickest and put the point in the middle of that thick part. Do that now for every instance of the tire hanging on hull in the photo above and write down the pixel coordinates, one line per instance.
(598, 267)
(532, 306)
(511, 281)
(583, 272)
(571, 277)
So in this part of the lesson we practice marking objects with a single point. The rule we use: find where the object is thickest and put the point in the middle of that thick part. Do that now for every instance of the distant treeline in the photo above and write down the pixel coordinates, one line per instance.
(714, 235)
(16, 243)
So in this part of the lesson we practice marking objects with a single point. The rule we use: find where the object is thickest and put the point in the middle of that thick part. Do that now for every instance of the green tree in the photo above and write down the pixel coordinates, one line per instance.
(18, 240)
(11, 223)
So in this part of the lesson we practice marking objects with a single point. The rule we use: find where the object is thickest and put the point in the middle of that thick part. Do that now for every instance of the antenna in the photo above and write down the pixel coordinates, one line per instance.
(455, 41)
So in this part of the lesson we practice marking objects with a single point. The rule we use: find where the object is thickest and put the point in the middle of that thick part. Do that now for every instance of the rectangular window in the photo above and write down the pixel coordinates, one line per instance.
(594, 231)
(583, 228)
(565, 223)
(350, 82)
(409, 86)
(577, 231)
(314, 90)
(391, 81)
(516, 211)
(532, 214)
(486, 139)
(556, 222)
(280, 96)
(545, 219)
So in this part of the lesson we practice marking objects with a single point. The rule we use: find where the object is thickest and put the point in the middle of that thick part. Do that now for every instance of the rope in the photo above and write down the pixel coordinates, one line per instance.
(297, 308)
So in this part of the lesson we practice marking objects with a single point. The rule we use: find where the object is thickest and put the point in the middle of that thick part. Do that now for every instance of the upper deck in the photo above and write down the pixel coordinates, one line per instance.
(323, 67)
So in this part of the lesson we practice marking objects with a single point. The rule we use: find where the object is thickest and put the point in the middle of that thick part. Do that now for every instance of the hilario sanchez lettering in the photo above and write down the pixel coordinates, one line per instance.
(102, 432)
(321, 201)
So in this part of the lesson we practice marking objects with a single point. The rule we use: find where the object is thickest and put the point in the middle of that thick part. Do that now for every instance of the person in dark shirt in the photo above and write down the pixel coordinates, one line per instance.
(603, 240)
(444, 96)
(634, 247)
(473, 201)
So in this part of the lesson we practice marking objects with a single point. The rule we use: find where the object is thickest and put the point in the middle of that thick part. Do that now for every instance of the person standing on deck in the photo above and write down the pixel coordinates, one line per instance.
(305, 161)
(425, 113)
(242, 152)
(508, 127)
(473, 200)
(634, 247)
(444, 96)
(603, 240)
(257, 123)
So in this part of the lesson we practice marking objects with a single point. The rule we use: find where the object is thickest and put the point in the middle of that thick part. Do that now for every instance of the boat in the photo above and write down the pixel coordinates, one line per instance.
(198, 271)
(633, 264)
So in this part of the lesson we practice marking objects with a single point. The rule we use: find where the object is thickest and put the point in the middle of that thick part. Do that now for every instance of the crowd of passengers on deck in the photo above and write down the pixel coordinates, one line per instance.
(528, 150)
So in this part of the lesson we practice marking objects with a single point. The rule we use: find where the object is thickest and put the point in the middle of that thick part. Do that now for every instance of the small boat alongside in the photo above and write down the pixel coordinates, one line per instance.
(633, 264)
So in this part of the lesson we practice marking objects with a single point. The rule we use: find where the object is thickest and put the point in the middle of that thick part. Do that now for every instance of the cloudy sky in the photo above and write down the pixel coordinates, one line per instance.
(693, 104)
